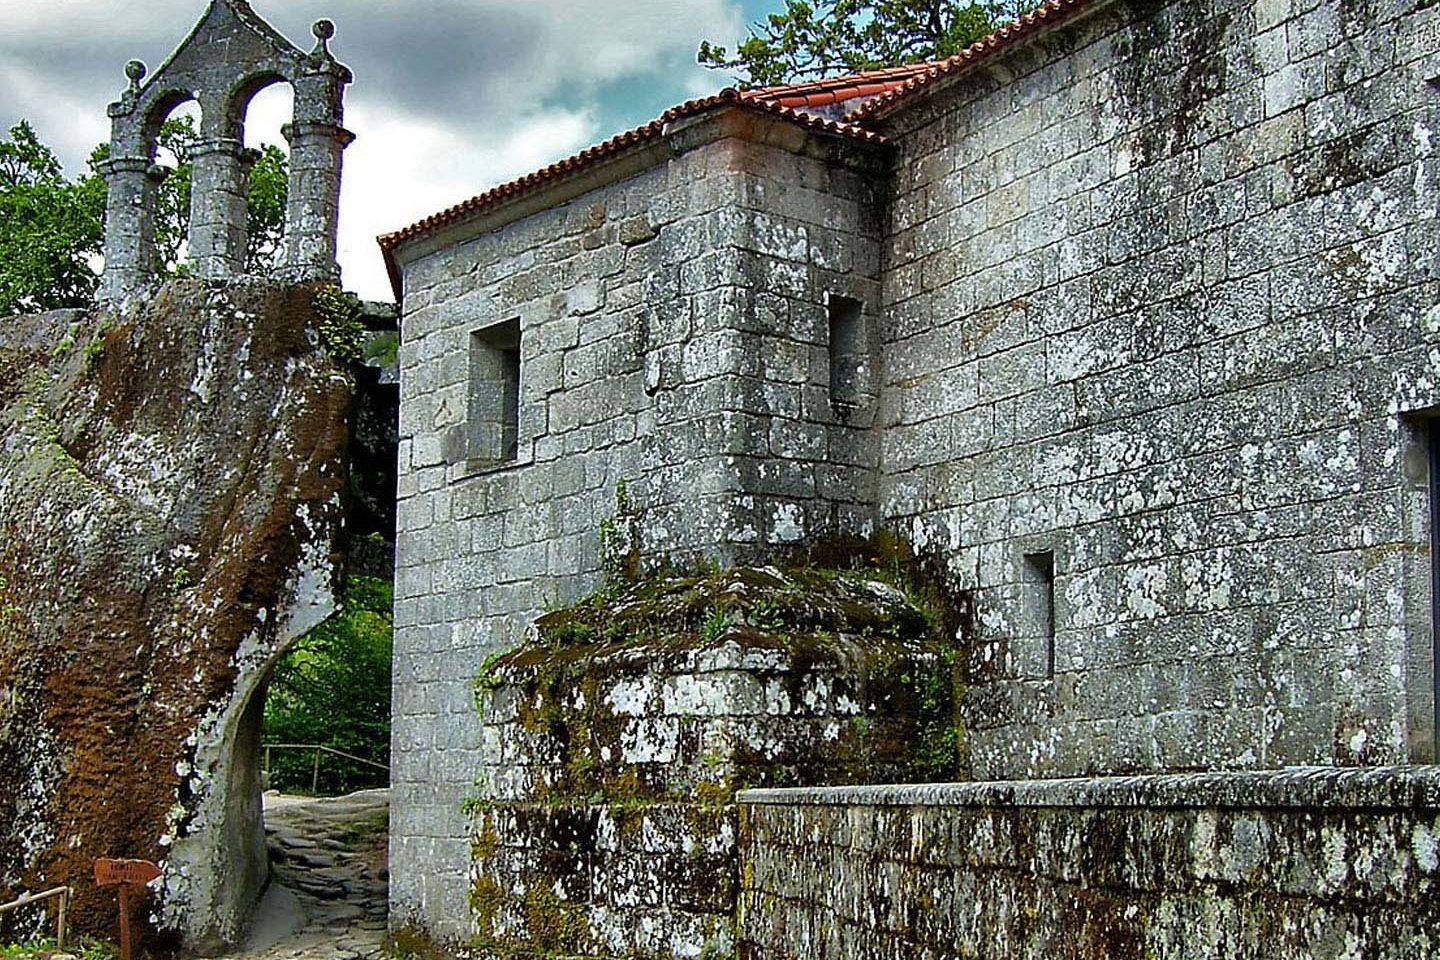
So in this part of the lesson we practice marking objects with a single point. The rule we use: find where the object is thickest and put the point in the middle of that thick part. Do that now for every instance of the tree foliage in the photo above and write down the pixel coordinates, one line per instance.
(52, 229)
(334, 689)
(810, 40)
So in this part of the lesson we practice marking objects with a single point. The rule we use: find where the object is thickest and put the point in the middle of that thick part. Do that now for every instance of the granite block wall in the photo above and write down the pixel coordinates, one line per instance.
(1160, 304)
(669, 332)
(1300, 864)
(1147, 355)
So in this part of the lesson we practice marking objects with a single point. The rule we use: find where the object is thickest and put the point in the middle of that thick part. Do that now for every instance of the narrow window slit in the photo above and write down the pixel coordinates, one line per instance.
(1039, 586)
(1432, 452)
(849, 351)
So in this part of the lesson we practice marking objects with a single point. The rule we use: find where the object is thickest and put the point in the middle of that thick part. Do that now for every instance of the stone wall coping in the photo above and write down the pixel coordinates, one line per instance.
(1400, 787)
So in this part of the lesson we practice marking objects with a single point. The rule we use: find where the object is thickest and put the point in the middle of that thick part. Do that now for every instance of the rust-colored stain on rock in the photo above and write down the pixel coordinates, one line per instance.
(163, 474)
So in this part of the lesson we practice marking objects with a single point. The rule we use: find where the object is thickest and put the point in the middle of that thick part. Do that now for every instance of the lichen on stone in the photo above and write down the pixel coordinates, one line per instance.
(170, 505)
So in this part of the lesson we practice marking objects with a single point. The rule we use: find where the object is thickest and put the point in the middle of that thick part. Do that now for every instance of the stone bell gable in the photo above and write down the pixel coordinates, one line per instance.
(230, 56)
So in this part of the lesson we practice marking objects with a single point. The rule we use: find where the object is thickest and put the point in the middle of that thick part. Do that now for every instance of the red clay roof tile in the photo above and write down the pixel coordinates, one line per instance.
(831, 90)
(642, 134)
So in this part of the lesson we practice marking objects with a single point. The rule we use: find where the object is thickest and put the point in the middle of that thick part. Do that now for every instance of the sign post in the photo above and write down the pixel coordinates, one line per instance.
(124, 874)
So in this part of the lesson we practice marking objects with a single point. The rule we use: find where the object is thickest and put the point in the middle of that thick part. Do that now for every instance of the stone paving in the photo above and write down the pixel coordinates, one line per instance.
(330, 882)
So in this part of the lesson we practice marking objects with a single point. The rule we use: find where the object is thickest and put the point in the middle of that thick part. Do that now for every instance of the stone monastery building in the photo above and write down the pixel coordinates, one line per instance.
(1128, 314)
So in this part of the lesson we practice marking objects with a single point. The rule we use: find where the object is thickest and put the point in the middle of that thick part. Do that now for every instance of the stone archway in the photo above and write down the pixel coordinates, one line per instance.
(216, 872)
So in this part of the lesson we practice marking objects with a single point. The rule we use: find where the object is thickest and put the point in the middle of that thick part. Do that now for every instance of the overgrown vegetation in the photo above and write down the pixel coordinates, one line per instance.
(50, 227)
(44, 948)
(883, 617)
(338, 323)
(334, 689)
(810, 40)
(619, 546)
(7, 608)
(863, 638)
(410, 942)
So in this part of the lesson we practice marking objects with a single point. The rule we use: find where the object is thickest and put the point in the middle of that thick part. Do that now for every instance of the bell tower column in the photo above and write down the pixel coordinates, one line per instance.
(131, 181)
(218, 207)
(317, 148)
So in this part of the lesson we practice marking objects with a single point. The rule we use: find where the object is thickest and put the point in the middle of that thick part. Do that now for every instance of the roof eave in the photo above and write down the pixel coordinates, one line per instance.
(495, 214)
(677, 132)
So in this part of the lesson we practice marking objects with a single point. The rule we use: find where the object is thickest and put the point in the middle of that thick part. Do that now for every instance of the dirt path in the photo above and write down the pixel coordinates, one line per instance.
(330, 882)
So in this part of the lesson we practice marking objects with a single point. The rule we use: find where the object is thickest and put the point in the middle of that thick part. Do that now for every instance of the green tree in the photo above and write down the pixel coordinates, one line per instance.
(269, 187)
(50, 228)
(829, 37)
(334, 689)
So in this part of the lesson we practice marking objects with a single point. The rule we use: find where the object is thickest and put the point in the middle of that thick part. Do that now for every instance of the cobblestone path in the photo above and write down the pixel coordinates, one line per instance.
(330, 881)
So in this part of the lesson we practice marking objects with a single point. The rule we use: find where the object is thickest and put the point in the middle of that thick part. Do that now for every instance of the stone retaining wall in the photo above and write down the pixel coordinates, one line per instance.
(1302, 863)
(605, 827)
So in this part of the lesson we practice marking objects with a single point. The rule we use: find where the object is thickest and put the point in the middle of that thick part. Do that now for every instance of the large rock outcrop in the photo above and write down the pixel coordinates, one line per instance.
(171, 497)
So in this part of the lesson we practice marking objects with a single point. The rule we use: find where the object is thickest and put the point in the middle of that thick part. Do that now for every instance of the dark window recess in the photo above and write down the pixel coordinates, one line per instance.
(495, 392)
(849, 356)
(1039, 602)
(1432, 444)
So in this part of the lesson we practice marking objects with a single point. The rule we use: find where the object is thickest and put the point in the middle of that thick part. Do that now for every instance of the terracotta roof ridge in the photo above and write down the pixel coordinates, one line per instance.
(618, 143)
(881, 89)
(1026, 25)
(777, 90)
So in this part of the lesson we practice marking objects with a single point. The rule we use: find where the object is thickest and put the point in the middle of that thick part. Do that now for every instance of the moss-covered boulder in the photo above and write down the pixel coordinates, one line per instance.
(171, 496)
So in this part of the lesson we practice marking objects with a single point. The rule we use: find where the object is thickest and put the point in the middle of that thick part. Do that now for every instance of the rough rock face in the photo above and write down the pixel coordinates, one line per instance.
(170, 499)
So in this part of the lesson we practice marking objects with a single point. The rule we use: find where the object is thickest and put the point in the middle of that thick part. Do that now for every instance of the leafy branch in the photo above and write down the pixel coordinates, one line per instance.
(811, 40)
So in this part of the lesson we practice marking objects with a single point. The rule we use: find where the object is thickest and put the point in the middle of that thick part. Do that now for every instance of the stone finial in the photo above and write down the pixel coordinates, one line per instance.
(324, 31)
(135, 70)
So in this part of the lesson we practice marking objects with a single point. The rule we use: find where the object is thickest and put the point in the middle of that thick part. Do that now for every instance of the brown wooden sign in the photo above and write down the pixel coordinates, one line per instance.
(135, 873)
(124, 874)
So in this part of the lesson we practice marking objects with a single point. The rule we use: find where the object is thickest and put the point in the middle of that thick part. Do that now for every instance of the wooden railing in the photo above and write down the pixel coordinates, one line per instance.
(62, 918)
(319, 749)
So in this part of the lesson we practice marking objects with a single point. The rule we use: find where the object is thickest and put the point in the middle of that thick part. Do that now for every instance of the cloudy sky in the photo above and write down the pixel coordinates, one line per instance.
(450, 96)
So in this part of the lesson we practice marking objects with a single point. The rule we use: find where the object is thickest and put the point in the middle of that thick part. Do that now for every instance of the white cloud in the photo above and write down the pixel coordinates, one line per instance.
(438, 166)
(451, 96)
(68, 123)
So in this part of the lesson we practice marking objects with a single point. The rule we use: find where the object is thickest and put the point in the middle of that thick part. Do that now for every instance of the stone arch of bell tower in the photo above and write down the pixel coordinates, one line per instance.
(229, 57)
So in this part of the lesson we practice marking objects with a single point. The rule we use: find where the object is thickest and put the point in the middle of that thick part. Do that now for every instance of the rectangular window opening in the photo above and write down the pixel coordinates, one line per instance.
(495, 393)
(1432, 456)
(849, 355)
(1039, 586)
